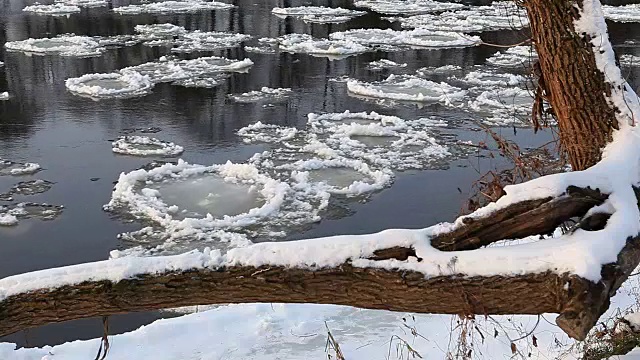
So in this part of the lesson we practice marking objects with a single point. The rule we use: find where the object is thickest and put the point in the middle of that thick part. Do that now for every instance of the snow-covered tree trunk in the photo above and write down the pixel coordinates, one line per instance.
(571, 77)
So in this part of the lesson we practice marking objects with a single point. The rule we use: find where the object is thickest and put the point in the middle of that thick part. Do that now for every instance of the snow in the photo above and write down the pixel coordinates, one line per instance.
(65, 45)
(318, 14)
(57, 9)
(114, 85)
(407, 88)
(145, 146)
(172, 7)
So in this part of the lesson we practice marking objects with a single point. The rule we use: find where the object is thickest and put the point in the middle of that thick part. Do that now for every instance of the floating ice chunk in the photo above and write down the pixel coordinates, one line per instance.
(32, 187)
(172, 7)
(339, 176)
(192, 201)
(4, 96)
(489, 79)
(145, 146)
(629, 60)
(513, 99)
(406, 7)
(412, 38)
(8, 220)
(65, 45)
(207, 82)
(407, 88)
(440, 70)
(269, 133)
(160, 30)
(264, 94)
(334, 120)
(626, 13)
(85, 3)
(114, 85)
(57, 9)
(8, 167)
(213, 64)
(207, 41)
(332, 49)
(160, 71)
(318, 14)
(517, 56)
(384, 64)
(500, 15)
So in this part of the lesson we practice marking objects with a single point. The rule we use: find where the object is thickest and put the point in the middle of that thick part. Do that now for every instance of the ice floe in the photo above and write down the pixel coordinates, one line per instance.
(407, 88)
(332, 49)
(171, 7)
(113, 85)
(8, 167)
(626, 13)
(154, 31)
(207, 41)
(4, 96)
(27, 188)
(383, 64)
(65, 45)
(406, 7)
(57, 9)
(318, 14)
(500, 15)
(266, 94)
(515, 57)
(259, 132)
(629, 60)
(198, 202)
(85, 3)
(10, 215)
(145, 146)
(489, 79)
(504, 106)
(411, 38)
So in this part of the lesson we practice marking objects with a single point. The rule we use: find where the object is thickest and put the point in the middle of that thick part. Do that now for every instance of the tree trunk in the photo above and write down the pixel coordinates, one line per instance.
(571, 81)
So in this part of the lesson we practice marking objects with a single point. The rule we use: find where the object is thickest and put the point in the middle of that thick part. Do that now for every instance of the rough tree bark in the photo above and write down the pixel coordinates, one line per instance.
(571, 81)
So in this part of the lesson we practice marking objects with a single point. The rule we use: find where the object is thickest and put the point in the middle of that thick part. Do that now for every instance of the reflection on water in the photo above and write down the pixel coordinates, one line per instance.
(70, 136)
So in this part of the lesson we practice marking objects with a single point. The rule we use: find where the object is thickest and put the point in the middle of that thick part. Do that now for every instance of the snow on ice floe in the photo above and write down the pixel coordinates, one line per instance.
(407, 88)
(172, 7)
(108, 86)
(318, 14)
(514, 57)
(207, 41)
(406, 7)
(505, 106)
(194, 201)
(626, 13)
(145, 146)
(10, 215)
(383, 64)
(27, 188)
(332, 49)
(57, 9)
(500, 15)
(85, 3)
(65, 45)
(341, 176)
(8, 167)
(486, 79)
(155, 31)
(269, 133)
(266, 94)
(406, 38)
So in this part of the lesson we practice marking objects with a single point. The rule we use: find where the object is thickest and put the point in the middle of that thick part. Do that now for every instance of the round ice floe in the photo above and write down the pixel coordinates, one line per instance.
(213, 64)
(515, 57)
(268, 133)
(84, 3)
(190, 200)
(65, 45)
(511, 99)
(384, 64)
(318, 14)
(32, 187)
(11, 214)
(404, 7)
(338, 176)
(160, 30)
(264, 94)
(629, 60)
(57, 9)
(161, 71)
(172, 7)
(488, 79)
(407, 88)
(4, 96)
(627, 13)
(113, 85)
(8, 167)
(207, 82)
(207, 41)
(337, 120)
(332, 49)
(412, 38)
(145, 146)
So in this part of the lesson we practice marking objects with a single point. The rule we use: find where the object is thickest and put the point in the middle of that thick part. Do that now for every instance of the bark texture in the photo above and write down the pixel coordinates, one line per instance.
(570, 81)
(580, 304)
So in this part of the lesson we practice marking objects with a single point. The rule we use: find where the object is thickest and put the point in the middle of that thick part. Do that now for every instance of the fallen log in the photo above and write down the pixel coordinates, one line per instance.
(579, 301)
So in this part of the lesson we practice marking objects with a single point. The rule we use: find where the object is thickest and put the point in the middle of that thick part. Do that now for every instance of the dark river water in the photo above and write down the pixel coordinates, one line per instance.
(70, 136)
